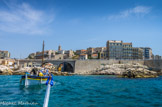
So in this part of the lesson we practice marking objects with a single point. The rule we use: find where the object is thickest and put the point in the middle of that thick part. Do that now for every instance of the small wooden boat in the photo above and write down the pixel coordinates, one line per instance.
(33, 80)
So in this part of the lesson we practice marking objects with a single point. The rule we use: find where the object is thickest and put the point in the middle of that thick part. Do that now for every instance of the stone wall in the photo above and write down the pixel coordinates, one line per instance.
(90, 65)
(154, 64)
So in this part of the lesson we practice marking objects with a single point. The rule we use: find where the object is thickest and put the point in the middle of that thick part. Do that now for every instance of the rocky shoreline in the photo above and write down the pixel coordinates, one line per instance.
(7, 71)
(135, 70)
(127, 70)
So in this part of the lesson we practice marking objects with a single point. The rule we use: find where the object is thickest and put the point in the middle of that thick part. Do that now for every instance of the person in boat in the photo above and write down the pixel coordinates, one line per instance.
(34, 71)
(43, 72)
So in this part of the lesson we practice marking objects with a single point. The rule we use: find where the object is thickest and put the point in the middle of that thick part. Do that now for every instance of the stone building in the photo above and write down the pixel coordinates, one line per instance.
(4, 54)
(137, 53)
(114, 49)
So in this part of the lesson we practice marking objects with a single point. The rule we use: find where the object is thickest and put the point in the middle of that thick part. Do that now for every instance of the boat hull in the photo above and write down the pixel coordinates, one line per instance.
(33, 80)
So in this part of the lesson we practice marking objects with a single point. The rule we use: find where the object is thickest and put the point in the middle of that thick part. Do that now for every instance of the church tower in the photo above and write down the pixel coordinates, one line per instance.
(59, 48)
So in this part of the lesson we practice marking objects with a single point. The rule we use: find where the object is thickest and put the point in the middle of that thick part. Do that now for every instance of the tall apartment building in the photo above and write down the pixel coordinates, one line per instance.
(147, 53)
(114, 49)
(137, 53)
(4, 54)
(127, 50)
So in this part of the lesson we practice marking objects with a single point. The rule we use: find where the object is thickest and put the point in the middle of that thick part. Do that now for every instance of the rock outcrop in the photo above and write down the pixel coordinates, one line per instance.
(125, 70)
(4, 70)
(139, 73)
(22, 71)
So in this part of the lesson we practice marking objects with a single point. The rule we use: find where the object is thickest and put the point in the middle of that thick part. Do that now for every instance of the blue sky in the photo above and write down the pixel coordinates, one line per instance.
(78, 24)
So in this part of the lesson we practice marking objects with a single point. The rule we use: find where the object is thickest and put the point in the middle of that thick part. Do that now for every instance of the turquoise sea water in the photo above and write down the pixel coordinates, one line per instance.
(84, 91)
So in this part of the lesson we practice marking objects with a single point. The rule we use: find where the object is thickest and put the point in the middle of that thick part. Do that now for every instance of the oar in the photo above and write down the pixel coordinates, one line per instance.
(46, 99)
(26, 79)
(49, 83)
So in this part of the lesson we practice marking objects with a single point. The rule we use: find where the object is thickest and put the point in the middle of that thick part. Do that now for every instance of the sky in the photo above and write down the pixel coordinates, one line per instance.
(78, 24)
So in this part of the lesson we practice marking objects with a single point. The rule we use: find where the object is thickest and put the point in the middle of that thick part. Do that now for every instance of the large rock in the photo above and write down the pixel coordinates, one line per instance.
(139, 73)
(4, 70)
(134, 70)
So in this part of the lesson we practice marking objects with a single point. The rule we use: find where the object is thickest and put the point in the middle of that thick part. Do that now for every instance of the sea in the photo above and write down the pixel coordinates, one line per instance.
(83, 91)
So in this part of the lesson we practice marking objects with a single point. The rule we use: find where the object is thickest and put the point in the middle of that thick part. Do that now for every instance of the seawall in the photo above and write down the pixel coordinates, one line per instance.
(90, 65)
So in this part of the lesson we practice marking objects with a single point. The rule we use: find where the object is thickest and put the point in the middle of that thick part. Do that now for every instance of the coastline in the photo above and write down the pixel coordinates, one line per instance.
(134, 70)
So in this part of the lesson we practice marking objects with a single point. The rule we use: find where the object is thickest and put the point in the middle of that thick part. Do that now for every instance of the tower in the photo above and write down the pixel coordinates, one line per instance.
(59, 48)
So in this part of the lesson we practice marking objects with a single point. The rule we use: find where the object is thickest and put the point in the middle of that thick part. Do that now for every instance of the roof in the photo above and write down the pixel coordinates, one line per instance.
(94, 54)
(83, 54)
(127, 43)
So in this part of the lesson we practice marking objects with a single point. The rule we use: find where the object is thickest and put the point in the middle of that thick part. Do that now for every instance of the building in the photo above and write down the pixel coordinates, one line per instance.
(8, 62)
(69, 53)
(137, 53)
(59, 48)
(102, 55)
(49, 54)
(147, 53)
(32, 56)
(90, 51)
(58, 56)
(157, 57)
(99, 49)
(83, 56)
(94, 56)
(4, 54)
(61, 52)
(82, 51)
(127, 51)
(114, 49)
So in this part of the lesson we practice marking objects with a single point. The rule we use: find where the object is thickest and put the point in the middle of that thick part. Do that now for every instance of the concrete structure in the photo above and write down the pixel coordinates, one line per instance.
(4, 54)
(114, 49)
(137, 53)
(127, 51)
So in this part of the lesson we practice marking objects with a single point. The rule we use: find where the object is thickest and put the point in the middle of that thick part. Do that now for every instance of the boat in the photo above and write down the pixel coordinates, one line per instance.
(37, 79)
(28, 79)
